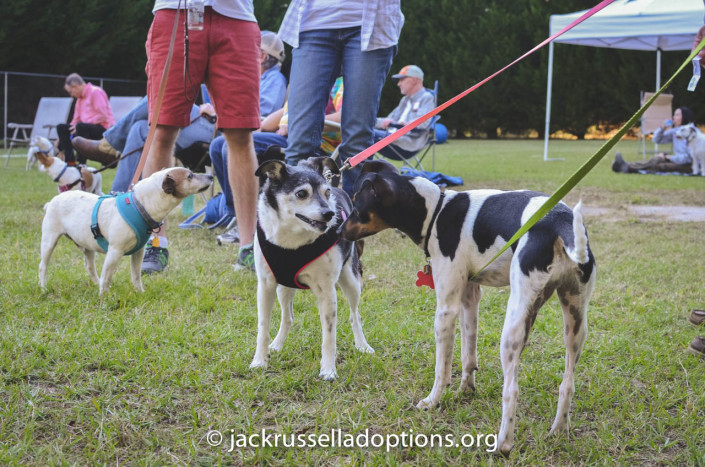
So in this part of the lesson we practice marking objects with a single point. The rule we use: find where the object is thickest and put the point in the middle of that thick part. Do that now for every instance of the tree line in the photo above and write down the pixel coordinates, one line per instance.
(455, 42)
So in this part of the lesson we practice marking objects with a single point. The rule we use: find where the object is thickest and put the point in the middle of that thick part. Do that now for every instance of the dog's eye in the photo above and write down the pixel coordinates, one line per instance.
(301, 194)
(190, 176)
(327, 193)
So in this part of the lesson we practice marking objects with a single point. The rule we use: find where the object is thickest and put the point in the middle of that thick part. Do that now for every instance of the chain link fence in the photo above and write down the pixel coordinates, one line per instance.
(21, 93)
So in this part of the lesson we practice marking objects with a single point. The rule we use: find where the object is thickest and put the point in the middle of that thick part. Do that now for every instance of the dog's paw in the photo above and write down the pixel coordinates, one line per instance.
(425, 404)
(328, 375)
(558, 429)
(258, 363)
(365, 348)
(467, 385)
(276, 346)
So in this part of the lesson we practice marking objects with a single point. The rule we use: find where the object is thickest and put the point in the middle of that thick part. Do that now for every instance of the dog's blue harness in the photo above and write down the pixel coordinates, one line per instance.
(133, 213)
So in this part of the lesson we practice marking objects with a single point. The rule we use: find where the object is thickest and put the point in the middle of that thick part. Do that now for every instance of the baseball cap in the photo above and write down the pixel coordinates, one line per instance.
(411, 71)
(273, 45)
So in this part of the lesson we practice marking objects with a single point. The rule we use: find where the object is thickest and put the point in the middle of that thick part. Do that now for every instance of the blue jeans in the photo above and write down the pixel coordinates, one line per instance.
(200, 130)
(219, 160)
(317, 62)
(117, 134)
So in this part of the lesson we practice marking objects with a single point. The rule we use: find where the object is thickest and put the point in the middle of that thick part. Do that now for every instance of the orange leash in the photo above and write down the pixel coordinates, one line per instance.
(160, 98)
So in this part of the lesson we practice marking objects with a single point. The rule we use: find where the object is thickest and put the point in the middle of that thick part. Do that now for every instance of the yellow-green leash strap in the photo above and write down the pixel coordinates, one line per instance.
(589, 165)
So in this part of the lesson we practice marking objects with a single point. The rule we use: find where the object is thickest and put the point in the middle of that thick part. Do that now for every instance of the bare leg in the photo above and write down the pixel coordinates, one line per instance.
(242, 164)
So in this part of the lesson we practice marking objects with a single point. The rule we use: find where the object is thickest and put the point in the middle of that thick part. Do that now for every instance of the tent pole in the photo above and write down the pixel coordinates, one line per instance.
(549, 85)
(658, 69)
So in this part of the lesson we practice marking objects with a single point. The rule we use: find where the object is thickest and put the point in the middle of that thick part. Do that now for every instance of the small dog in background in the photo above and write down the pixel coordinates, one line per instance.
(68, 178)
(297, 246)
(696, 144)
(119, 225)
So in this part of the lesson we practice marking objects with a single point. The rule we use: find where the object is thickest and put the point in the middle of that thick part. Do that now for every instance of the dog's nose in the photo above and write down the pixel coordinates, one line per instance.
(328, 215)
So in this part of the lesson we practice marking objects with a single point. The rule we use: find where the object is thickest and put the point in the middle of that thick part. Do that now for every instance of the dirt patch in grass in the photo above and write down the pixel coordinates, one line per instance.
(648, 213)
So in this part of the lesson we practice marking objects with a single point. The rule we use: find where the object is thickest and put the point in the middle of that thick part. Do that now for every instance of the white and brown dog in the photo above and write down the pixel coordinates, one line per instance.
(68, 177)
(297, 246)
(462, 231)
(115, 225)
(696, 144)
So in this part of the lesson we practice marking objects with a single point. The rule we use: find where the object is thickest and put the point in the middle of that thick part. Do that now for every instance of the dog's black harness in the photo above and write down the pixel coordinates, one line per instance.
(430, 224)
(287, 264)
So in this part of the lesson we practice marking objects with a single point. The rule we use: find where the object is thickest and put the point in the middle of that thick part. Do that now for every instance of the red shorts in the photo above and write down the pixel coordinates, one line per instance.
(225, 56)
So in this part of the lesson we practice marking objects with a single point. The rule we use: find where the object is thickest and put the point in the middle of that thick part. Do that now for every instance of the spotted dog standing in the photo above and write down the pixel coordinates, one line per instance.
(462, 231)
(297, 246)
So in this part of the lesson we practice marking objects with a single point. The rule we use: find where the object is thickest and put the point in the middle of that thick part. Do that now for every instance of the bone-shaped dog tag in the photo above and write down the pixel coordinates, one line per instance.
(425, 277)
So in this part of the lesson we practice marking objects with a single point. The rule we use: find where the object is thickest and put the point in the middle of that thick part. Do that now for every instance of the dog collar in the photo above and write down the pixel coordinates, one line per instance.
(286, 264)
(430, 224)
(56, 180)
(68, 186)
(133, 213)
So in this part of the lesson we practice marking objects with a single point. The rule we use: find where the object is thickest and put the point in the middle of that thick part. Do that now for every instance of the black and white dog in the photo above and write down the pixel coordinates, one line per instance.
(297, 245)
(462, 231)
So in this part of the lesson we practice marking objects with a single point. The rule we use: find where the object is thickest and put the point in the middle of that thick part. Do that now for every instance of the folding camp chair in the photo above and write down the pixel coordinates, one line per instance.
(121, 105)
(430, 145)
(51, 111)
(653, 117)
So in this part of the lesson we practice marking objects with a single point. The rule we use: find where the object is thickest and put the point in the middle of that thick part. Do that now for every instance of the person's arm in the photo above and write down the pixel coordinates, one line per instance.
(271, 122)
(699, 37)
(103, 114)
(663, 135)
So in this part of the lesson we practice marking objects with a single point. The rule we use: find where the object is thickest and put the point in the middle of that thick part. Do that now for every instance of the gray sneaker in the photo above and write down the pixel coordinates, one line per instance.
(245, 258)
(231, 235)
(155, 259)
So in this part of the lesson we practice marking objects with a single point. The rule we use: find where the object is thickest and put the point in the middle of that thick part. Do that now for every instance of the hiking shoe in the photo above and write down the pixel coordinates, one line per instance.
(697, 347)
(155, 259)
(231, 235)
(245, 258)
(697, 317)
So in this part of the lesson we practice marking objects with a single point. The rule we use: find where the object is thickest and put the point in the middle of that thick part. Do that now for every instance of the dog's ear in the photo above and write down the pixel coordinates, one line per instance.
(384, 191)
(274, 170)
(379, 166)
(169, 185)
(320, 164)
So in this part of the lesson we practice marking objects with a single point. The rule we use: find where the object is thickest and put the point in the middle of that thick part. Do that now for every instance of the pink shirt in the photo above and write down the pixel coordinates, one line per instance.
(93, 107)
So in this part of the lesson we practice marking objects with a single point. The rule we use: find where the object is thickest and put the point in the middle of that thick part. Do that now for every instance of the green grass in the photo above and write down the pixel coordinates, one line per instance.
(141, 378)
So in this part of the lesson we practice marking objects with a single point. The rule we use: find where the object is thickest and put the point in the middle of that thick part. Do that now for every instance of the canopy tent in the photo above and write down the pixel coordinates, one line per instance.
(629, 24)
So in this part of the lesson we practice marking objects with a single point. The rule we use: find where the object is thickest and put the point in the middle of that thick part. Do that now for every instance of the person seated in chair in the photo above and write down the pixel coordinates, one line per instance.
(415, 102)
(129, 135)
(679, 161)
(92, 115)
(272, 85)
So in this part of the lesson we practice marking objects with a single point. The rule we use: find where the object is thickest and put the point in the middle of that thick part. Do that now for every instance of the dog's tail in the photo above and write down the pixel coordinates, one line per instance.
(579, 252)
